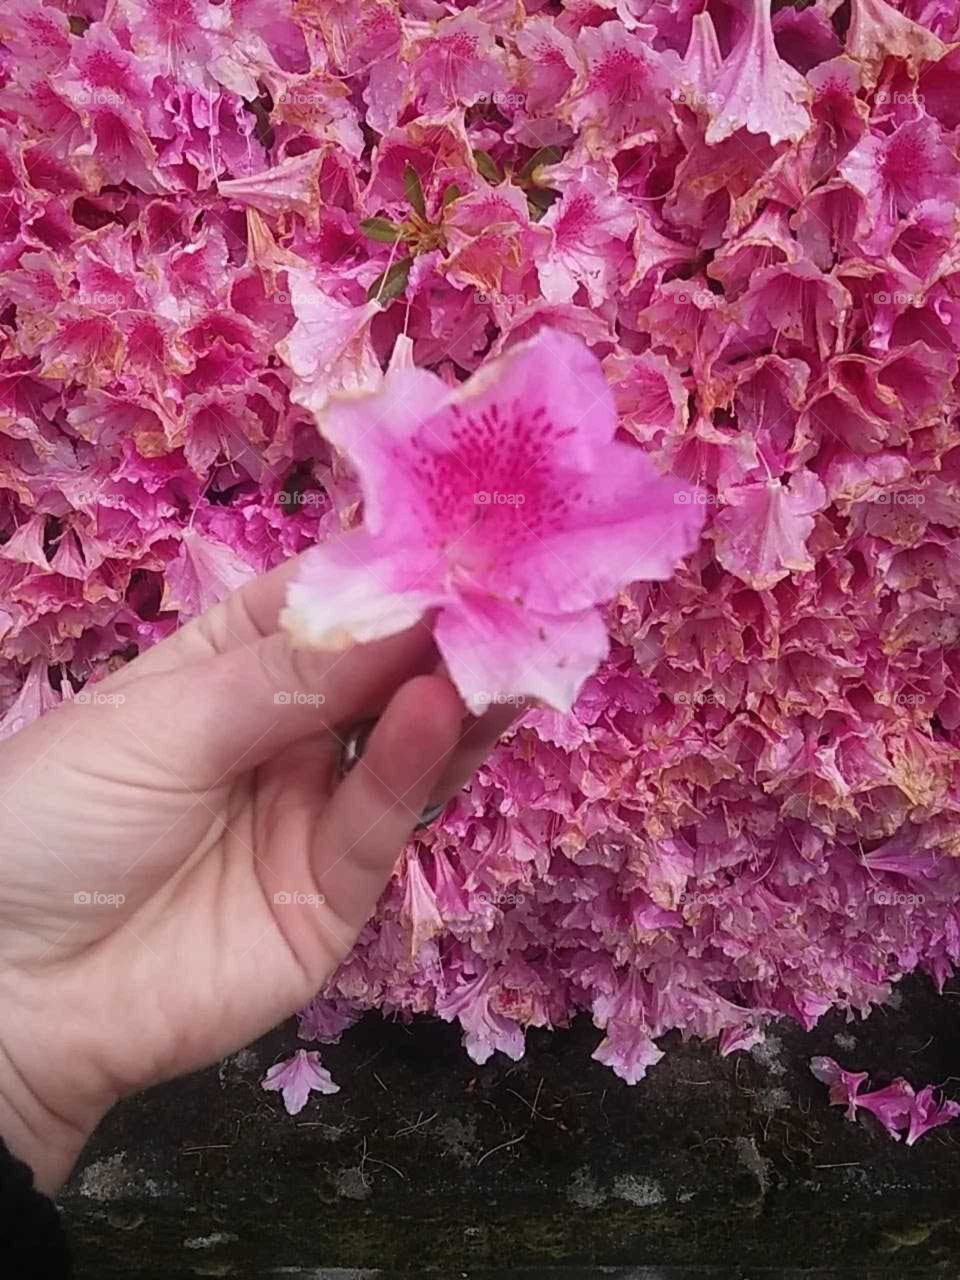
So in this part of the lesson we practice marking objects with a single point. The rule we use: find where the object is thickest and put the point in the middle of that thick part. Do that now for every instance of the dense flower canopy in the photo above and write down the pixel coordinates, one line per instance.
(216, 220)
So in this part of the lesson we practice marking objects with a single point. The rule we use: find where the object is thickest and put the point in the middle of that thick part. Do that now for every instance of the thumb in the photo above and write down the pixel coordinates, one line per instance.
(355, 838)
(224, 715)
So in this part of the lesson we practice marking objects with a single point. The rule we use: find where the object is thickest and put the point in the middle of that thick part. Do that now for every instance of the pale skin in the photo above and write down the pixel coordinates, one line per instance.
(183, 787)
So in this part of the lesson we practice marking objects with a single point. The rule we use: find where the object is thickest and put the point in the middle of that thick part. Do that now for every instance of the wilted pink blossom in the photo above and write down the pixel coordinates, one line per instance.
(762, 533)
(297, 1078)
(926, 1114)
(755, 89)
(899, 1108)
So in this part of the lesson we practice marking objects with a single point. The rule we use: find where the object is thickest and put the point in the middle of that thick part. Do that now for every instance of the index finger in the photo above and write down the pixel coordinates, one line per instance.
(240, 620)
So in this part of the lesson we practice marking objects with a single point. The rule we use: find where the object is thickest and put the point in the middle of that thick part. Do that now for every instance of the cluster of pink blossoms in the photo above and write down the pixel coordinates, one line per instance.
(214, 217)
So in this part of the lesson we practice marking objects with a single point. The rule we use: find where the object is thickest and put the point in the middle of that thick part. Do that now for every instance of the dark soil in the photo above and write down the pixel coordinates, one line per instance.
(547, 1169)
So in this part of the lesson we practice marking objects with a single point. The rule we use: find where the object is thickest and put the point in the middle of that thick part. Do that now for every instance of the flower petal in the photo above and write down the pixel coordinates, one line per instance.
(369, 425)
(756, 90)
(625, 522)
(495, 651)
(357, 588)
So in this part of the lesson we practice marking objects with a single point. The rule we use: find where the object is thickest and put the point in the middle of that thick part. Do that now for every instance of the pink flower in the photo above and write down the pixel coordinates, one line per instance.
(458, 62)
(926, 1114)
(756, 90)
(329, 348)
(34, 699)
(201, 574)
(549, 68)
(629, 1050)
(420, 909)
(761, 536)
(701, 63)
(508, 505)
(895, 172)
(36, 33)
(805, 38)
(897, 1106)
(877, 32)
(891, 1105)
(485, 1030)
(590, 226)
(296, 1078)
(626, 85)
(844, 1085)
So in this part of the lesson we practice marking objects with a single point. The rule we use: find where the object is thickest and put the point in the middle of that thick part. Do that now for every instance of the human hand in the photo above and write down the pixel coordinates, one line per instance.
(181, 866)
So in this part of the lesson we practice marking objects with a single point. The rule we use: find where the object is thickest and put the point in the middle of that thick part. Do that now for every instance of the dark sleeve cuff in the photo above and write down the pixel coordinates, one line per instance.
(33, 1245)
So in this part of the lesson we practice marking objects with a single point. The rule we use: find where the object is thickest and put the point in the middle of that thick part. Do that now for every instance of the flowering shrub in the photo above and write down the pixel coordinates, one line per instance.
(215, 216)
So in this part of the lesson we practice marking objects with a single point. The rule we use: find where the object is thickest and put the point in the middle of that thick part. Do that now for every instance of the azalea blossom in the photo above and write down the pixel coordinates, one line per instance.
(900, 1109)
(508, 505)
(755, 89)
(297, 1077)
(926, 1113)
(590, 226)
(761, 535)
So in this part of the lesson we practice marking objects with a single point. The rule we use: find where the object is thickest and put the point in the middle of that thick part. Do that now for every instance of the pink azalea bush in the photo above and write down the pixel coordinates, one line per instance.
(219, 219)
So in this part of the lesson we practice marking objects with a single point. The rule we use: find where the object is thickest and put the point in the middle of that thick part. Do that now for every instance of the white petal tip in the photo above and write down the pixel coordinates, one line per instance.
(304, 636)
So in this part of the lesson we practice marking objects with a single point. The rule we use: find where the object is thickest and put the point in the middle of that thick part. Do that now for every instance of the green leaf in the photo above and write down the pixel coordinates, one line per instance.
(391, 283)
(452, 193)
(411, 185)
(546, 155)
(487, 166)
(380, 229)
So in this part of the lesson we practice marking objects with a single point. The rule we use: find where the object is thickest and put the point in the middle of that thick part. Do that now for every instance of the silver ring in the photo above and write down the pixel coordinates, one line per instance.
(354, 746)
